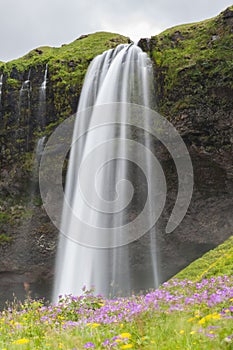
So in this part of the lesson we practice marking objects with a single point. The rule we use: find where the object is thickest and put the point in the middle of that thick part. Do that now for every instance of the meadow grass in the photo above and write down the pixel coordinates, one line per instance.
(181, 314)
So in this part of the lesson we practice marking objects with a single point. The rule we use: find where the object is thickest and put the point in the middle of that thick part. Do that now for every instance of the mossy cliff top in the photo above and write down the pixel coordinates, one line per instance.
(21, 119)
(67, 59)
(191, 60)
(194, 79)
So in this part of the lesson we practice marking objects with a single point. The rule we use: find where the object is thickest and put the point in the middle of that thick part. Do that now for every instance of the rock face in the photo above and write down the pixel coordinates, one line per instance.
(194, 84)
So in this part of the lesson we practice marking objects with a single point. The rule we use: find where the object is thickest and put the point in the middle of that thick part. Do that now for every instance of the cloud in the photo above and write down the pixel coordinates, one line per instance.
(27, 24)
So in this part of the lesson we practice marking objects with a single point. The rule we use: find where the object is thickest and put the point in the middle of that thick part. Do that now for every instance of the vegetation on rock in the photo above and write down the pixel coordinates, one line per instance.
(181, 314)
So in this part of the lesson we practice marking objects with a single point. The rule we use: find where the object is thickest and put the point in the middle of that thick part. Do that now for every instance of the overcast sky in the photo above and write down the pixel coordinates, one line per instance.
(27, 24)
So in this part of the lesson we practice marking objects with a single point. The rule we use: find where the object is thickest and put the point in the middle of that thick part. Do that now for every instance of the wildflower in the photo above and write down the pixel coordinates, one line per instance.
(94, 325)
(21, 341)
(181, 331)
(210, 335)
(89, 345)
(106, 342)
(125, 335)
(127, 346)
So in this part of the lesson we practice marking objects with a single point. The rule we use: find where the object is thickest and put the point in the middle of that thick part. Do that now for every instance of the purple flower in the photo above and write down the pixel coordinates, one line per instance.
(89, 345)
(210, 335)
(106, 342)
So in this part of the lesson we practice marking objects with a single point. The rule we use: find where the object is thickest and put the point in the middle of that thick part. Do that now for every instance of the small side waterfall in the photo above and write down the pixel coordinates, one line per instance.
(34, 186)
(25, 106)
(100, 186)
(24, 94)
(42, 98)
(40, 148)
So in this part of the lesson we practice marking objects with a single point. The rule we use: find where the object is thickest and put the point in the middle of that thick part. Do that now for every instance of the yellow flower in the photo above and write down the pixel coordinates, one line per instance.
(101, 304)
(127, 346)
(191, 319)
(125, 335)
(21, 341)
(202, 320)
(181, 331)
(214, 316)
(94, 325)
(193, 332)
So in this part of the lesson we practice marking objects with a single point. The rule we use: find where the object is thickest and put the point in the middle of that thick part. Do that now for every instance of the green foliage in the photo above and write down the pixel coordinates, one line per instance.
(70, 58)
(4, 239)
(193, 60)
(214, 263)
(4, 217)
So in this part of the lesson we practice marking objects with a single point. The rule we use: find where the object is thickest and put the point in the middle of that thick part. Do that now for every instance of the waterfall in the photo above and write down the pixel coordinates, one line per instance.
(25, 93)
(34, 185)
(101, 188)
(40, 148)
(42, 98)
(25, 106)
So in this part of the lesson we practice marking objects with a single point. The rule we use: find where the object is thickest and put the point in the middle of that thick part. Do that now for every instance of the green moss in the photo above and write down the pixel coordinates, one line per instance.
(80, 52)
(4, 239)
(4, 217)
(214, 263)
(13, 83)
(192, 59)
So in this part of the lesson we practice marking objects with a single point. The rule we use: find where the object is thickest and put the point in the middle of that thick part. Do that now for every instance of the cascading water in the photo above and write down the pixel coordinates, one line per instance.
(99, 186)
(24, 94)
(25, 106)
(34, 188)
(42, 98)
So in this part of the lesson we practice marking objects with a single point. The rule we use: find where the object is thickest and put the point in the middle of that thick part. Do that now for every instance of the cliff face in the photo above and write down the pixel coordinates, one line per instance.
(193, 68)
(193, 74)
(21, 118)
(194, 82)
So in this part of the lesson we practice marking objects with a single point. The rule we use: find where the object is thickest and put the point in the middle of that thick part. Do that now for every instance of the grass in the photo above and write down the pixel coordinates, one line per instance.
(181, 314)
(66, 63)
(194, 60)
(217, 262)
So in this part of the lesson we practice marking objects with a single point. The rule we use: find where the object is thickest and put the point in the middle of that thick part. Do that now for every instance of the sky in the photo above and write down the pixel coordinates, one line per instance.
(27, 24)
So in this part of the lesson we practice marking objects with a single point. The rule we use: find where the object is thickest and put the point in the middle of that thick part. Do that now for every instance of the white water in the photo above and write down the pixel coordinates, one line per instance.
(40, 147)
(120, 75)
(25, 94)
(24, 112)
(38, 151)
(44, 83)
(42, 98)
